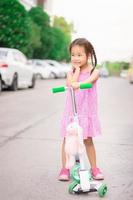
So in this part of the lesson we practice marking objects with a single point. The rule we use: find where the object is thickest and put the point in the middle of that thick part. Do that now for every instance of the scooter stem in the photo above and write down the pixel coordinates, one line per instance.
(73, 101)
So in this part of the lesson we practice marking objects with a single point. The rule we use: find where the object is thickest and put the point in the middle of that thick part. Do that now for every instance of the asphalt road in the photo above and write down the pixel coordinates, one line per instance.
(30, 142)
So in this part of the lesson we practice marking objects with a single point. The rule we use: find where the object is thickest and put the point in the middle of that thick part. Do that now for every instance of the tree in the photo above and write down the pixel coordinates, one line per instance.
(54, 39)
(15, 26)
(35, 41)
(40, 2)
(67, 29)
(42, 20)
(59, 50)
(40, 17)
(61, 23)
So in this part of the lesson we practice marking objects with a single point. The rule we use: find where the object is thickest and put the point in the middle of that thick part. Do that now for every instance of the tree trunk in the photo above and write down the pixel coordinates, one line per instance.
(40, 2)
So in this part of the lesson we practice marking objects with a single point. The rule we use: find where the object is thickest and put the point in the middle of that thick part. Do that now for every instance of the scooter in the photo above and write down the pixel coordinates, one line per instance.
(82, 179)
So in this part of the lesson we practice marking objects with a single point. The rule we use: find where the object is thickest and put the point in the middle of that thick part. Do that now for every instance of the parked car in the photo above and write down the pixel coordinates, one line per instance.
(15, 72)
(66, 67)
(103, 71)
(41, 68)
(130, 74)
(60, 73)
(123, 73)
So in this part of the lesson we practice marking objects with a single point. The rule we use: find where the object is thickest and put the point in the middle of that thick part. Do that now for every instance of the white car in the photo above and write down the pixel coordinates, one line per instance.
(57, 68)
(123, 73)
(41, 68)
(15, 72)
(66, 67)
(103, 71)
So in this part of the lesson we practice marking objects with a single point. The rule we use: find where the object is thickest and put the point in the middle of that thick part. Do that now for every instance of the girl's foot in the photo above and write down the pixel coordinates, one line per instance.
(97, 174)
(64, 175)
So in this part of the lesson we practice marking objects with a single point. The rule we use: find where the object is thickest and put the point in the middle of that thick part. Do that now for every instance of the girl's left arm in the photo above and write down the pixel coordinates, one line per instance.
(93, 78)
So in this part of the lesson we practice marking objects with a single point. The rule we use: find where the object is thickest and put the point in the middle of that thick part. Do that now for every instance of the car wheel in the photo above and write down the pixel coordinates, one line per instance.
(33, 82)
(38, 76)
(14, 85)
(52, 75)
(0, 85)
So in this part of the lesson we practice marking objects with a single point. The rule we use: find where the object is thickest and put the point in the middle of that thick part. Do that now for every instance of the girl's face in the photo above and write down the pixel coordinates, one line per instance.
(78, 56)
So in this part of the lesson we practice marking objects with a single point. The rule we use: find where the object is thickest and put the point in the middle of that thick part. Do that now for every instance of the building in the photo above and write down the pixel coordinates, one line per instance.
(48, 6)
(28, 4)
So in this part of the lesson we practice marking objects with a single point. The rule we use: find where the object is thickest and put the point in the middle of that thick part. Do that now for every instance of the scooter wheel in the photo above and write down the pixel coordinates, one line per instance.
(72, 186)
(75, 173)
(102, 190)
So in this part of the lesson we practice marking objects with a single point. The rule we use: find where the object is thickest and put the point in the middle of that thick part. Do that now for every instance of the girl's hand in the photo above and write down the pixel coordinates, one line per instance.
(76, 66)
(75, 85)
(76, 69)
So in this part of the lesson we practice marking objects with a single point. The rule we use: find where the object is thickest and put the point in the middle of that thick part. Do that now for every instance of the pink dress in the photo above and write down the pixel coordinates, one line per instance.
(86, 102)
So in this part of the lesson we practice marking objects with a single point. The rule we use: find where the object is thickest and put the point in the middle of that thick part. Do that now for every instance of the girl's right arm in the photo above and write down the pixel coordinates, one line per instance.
(73, 76)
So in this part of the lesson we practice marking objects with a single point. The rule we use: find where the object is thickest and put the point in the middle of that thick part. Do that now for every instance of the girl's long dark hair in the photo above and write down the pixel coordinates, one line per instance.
(89, 49)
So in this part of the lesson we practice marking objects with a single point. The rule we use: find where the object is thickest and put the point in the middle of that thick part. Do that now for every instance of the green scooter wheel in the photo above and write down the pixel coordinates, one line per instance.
(72, 186)
(75, 173)
(102, 190)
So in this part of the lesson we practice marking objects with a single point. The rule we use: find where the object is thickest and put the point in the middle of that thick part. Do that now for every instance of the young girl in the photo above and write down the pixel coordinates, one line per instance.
(83, 71)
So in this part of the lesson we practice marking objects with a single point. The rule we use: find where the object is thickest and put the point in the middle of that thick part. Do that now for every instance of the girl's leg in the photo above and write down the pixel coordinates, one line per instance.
(90, 150)
(64, 174)
(63, 155)
(91, 153)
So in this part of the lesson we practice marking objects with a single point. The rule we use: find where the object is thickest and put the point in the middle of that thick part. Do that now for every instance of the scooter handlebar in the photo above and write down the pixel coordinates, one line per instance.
(85, 85)
(58, 89)
(62, 88)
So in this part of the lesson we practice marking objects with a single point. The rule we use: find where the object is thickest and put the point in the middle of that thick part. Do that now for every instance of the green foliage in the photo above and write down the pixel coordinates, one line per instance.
(14, 25)
(35, 40)
(116, 67)
(54, 40)
(60, 45)
(42, 20)
(125, 65)
(32, 32)
(61, 23)
(40, 17)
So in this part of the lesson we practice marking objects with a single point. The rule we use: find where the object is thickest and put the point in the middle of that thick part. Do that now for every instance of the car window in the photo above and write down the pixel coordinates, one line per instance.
(19, 57)
(38, 63)
(51, 64)
(15, 56)
(23, 57)
(3, 54)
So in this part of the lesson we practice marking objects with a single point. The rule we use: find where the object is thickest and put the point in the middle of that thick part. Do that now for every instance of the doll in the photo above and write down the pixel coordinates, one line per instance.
(74, 143)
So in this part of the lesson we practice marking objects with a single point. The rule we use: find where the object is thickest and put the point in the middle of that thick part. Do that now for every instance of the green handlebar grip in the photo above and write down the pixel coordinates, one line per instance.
(58, 89)
(85, 85)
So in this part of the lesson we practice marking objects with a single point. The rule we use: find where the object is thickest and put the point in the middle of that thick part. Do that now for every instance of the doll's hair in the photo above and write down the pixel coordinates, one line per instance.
(89, 49)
